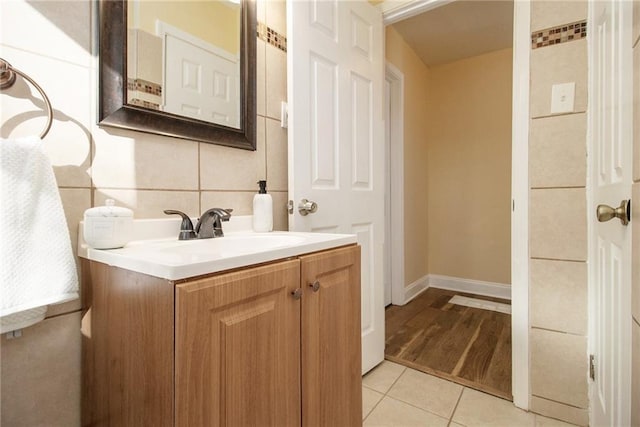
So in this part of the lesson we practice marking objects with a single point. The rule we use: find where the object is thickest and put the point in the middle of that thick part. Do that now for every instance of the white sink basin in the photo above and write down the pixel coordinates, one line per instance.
(230, 245)
(173, 259)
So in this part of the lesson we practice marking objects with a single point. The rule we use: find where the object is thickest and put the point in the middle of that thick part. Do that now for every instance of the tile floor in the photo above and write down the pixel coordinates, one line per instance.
(394, 396)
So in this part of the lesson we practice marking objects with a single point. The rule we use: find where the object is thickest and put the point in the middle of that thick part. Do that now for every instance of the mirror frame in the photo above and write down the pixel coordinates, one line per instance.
(114, 111)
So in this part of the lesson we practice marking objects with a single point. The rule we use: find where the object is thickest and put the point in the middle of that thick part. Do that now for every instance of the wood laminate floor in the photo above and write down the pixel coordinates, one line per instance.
(470, 346)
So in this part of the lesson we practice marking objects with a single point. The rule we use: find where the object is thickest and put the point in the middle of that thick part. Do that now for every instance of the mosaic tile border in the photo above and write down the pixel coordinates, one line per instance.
(271, 36)
(144, 86)
(145, 104)
(560, 34)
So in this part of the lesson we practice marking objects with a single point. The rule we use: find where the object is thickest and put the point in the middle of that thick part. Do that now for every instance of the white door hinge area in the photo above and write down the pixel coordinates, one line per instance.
(592, 367)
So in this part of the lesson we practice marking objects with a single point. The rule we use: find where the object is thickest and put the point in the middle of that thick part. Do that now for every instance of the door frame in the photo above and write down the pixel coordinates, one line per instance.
(395, 78)
(392, 12)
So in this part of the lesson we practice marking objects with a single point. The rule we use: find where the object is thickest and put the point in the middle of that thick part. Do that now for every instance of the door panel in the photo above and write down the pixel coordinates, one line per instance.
(200, 83)
(336, 145)
(610, 278)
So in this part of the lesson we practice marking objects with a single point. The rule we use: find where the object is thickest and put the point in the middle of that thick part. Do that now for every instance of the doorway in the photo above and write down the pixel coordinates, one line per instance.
(459, 185)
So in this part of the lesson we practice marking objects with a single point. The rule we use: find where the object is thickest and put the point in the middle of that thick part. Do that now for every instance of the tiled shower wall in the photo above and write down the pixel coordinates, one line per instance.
(558, 242)
(53, 42)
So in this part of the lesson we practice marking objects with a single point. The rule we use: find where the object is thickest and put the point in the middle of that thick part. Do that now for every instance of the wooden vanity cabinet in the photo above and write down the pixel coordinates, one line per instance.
(270, 345)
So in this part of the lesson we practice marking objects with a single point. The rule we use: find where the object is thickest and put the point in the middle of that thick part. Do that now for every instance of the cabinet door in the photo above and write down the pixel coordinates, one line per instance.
(331, 361)
(238, 349)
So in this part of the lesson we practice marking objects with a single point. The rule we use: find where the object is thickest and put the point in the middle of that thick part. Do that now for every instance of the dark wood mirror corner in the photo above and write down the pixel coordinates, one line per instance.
(113, 110)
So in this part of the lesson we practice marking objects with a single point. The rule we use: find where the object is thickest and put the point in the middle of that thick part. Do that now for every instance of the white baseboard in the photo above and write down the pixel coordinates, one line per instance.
(470, 286)
(416, 288)
(476, 287)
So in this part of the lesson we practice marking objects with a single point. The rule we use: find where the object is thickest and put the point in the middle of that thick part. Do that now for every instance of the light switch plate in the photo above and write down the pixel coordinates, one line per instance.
(562, 97)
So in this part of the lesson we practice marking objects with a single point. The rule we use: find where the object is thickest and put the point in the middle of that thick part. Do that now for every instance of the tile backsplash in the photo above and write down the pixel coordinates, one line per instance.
(147, 173)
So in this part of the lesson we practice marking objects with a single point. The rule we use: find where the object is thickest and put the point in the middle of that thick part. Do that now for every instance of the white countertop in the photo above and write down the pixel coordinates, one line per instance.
(155, 249)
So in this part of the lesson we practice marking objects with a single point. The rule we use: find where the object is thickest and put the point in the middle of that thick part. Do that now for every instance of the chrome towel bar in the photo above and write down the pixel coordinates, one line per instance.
(8, 78)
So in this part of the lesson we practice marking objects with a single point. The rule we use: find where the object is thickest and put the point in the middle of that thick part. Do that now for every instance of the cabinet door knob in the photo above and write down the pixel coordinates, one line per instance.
(315, 286)
(297, 294)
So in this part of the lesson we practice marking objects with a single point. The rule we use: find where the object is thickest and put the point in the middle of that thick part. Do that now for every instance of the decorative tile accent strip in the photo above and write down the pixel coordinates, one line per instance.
(272, 37)
(144, 86)
(561, 34)
(146, 104)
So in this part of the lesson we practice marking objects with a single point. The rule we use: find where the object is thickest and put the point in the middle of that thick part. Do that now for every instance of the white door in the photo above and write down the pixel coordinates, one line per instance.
(610, 242)
(201, 81)
(336, 137)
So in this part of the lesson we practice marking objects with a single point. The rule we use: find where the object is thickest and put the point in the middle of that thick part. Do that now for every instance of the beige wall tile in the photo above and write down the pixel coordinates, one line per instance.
(127, 159)
(635, 381)
(63, 30)
(558, 224)
(151, 203)
(224, 168)
(149, 58)
(382, 377)
(553, 285)
(261, 10)
(64, 308)
(276, 12)
(636, 20)
(74, 202)
(563, 63)
(280, 213)
(480, 409)
(68, 143)
(41, 375)
(427, 392)
(557, 410)
(276, 80)
(240, 201)
(392, 413)
(558, 151)
(558, 368)
(636, 112)
(277, 151)
(546, 14)
(635, 250)
(261, 78)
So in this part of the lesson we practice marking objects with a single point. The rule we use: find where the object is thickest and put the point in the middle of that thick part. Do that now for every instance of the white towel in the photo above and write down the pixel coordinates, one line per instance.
(37, 266)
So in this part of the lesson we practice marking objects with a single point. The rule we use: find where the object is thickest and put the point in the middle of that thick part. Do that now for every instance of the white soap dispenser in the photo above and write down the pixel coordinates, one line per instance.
(262, 210)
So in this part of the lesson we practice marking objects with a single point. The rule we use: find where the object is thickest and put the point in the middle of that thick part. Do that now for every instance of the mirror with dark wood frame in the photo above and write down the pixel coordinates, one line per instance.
(115, 111)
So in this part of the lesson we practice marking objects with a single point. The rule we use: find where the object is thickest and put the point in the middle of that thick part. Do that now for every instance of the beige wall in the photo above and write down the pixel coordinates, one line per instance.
(635, 197)
(40, 372)
(469, 168)
(558, 243)
(416, 93)
(213, 22)
(457, 161)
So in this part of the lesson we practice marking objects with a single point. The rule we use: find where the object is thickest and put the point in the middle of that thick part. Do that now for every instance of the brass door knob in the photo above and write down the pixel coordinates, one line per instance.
(622, 212)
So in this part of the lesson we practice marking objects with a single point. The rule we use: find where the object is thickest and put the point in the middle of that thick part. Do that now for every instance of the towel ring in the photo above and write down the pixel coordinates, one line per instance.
(8, 78)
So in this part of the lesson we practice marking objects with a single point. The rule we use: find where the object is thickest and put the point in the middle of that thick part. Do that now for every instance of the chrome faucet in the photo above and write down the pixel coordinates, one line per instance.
(209, 224)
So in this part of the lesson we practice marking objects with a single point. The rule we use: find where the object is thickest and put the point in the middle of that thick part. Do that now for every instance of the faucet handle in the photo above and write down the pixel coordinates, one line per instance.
(186, 227)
